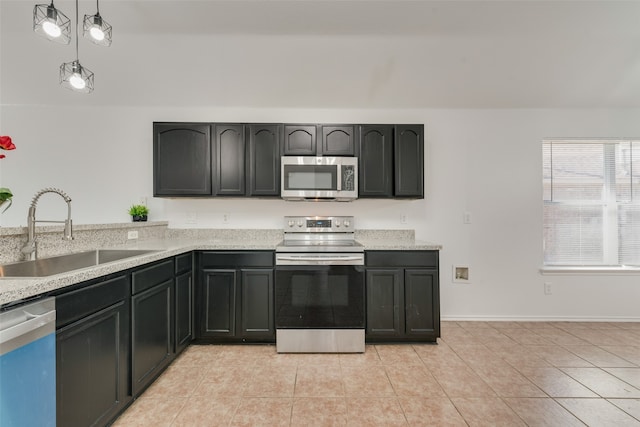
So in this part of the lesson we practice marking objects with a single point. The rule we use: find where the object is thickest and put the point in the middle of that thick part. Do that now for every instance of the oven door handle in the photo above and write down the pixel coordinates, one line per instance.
(313, 258)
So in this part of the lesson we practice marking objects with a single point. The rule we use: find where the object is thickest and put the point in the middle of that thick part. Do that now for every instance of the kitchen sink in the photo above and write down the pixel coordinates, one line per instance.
(66, 263)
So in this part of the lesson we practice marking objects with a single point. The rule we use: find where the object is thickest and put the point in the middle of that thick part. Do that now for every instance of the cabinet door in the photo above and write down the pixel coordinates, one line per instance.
(385, 308)
(181, 159)
(409, 161)
(183, 311)
(93, 367)
(152, 334)
(230, 160)
(375, 161)
(264, 160)
(299, 140)
(337, 140)
(422, 302)
(257, 304)
(218, 303)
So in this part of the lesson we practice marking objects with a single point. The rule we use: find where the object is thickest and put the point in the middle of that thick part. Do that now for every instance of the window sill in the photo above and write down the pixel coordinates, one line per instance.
(586, 270)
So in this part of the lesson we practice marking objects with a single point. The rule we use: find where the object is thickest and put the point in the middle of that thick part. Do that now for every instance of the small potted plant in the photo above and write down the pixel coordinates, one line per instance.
(139, 212)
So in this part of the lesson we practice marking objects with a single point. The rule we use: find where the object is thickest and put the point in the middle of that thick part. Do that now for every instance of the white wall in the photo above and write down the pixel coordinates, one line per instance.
(98, 147)
(487, 162)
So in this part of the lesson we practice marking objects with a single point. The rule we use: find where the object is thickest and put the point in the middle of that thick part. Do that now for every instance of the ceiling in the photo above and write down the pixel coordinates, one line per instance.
(338, 54)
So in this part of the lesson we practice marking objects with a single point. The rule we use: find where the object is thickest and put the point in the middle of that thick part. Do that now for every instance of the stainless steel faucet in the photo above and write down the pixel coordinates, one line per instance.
(30, 249)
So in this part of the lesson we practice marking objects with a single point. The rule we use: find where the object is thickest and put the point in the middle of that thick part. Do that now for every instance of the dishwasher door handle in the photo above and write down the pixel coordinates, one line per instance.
(33, 323)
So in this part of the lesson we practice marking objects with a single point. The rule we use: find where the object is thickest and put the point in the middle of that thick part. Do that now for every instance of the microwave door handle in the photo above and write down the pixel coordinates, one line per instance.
(339, 178)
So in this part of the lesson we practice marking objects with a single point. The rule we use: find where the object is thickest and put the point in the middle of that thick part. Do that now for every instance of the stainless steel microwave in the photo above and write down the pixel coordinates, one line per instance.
(319, 178)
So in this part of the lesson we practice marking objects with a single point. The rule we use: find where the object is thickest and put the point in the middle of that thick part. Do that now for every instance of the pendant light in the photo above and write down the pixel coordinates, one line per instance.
(97, 29)
(73, 75)
(51, 24)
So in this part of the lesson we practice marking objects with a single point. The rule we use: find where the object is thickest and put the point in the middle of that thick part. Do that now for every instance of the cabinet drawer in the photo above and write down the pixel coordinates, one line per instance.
(84, 301)
(183, 263)
(151, 276)
(401, 259)
(236, 259)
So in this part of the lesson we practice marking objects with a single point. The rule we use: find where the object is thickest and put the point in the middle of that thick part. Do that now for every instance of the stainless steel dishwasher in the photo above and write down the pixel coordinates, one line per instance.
(28, 364)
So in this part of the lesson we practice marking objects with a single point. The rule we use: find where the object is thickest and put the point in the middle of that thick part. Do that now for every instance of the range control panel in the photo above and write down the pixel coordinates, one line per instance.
(318, 224)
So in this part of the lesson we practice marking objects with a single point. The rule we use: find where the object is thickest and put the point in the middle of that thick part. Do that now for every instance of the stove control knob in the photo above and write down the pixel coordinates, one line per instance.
(347, 223)
(337, 223)
(300, 223)
(291, 223)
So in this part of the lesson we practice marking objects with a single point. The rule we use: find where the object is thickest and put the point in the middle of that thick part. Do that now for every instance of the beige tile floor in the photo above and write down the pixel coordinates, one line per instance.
(479, 374)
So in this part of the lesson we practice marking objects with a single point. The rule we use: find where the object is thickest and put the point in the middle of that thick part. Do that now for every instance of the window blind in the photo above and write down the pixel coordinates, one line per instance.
(591, 202)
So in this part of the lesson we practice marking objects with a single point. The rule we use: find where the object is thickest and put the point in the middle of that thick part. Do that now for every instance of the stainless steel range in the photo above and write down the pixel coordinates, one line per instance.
(320, 302)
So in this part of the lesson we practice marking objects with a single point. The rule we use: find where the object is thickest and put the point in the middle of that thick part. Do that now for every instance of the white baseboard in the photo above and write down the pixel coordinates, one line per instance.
(469, 318)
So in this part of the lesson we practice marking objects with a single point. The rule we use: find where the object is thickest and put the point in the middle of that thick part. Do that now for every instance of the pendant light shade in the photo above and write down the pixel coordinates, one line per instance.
(76, 77)
(51, 24)
(97, 29)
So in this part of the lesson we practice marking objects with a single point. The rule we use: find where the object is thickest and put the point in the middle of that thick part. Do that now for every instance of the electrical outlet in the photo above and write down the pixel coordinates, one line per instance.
(403, 218)
(547, 288)
(226, 217)
(133, 234)
(466, 217)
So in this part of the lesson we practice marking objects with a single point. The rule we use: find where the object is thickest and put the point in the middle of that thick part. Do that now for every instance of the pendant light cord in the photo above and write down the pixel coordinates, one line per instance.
(77, 55)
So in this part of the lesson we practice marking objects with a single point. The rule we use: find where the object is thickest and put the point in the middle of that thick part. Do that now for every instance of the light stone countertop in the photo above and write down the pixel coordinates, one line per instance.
(17, 289)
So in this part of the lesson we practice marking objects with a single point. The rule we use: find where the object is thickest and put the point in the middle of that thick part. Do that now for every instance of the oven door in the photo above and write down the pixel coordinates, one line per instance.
(320, 297)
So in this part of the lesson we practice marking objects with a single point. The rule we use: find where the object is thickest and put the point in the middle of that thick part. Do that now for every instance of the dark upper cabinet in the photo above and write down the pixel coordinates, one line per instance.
(319, 140)
(299, 140)
(230, 148)
(181, 159)
(337, 140)
(409, 161)
(391, 161)
(375, 161)
(263, 159)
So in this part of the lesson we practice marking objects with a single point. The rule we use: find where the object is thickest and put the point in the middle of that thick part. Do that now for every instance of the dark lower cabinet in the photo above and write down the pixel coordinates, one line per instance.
(92, 353)
(403, 302)
(183, 302)
(152, 319)
(116, 334)
(235, 296)
(257, 304)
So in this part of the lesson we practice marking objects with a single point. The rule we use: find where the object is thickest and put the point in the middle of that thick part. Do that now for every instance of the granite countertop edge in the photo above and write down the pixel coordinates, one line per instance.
(13, 290)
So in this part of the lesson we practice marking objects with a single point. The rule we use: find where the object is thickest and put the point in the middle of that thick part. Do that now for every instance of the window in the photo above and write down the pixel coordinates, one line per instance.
(591, 193)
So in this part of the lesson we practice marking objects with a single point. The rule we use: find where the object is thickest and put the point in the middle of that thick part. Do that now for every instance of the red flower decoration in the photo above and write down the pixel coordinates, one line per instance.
(6, 143)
